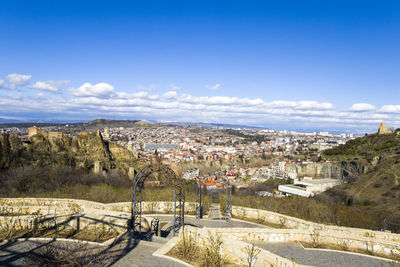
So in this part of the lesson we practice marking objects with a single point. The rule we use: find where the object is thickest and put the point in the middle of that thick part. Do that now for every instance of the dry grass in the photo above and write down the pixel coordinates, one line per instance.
(18, 229)
(69, 255)
(208, 253)
(312, 210)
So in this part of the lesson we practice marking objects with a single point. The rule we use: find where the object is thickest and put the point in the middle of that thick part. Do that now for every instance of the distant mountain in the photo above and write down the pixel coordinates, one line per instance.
(86, 126)
(9, 121)
(101, 123)
(211, 125)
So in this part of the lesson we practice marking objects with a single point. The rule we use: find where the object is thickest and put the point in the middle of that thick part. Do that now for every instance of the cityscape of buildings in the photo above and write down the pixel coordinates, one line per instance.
(219, 155)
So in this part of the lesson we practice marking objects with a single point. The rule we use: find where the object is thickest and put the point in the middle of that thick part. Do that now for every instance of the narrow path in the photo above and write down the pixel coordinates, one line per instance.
(215, 213)
(128, 253)
(209, 223)
(141, 255)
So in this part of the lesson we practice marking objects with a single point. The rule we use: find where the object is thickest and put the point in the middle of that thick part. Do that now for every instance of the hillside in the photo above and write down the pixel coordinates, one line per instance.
(57, 149)
(372, 165)
(101, 123)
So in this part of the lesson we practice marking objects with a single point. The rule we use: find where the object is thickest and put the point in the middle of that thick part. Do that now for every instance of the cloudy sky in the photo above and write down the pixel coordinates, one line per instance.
(283, 64)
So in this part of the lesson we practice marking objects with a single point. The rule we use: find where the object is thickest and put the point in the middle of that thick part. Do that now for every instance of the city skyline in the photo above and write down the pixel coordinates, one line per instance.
(294, 65)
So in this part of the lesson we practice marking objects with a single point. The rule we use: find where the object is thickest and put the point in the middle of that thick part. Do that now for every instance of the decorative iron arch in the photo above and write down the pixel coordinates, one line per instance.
(137, 186)
(228, 204)
(199, 206)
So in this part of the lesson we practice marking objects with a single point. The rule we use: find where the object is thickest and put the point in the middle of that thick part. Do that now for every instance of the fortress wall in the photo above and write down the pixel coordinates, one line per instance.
(296, 223)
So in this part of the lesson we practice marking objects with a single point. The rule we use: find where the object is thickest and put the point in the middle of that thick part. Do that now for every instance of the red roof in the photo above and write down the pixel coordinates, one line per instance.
(210, 183)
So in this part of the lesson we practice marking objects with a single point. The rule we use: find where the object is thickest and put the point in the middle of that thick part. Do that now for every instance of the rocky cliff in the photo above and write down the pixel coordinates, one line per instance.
(338, 170)
(82, 151)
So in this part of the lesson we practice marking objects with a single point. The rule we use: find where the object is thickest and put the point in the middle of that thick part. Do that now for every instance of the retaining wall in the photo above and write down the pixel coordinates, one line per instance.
(296, 223)
(68, 206)
(352, 242)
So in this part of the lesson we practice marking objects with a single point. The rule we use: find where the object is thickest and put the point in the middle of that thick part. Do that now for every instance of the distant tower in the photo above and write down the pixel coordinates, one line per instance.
(382, 129)
(106, 133)
(33, 131)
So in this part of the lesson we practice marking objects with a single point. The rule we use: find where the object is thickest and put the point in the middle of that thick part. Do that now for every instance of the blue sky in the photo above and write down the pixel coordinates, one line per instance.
(305, 64)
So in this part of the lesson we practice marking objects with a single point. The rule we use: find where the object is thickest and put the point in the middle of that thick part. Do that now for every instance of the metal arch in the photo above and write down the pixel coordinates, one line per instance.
(199, 207)
(137, 186)
(228, 207)
(155, 226)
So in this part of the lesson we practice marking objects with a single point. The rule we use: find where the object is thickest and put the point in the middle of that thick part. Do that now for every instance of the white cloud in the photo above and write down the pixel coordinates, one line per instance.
(170, 94)
(149, 88)
(390, 109)
(3, 85)
(360, 107)
(39, 97)
(174, 87)
(90, 99)
(302, 105)
(16, 96)
(88, 89)
(18, 79)
(142, 95)
(213, 87)
(52, 86)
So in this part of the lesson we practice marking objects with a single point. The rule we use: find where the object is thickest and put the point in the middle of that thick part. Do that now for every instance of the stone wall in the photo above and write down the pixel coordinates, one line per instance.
(43, 206)
(236, 240)
(24, 212)
(295, 223)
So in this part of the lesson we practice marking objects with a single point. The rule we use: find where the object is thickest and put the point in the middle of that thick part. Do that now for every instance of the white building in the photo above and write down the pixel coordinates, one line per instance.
(190, 174)
(308, 187)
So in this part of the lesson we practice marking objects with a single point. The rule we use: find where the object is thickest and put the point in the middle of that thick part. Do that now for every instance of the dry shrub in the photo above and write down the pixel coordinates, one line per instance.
(252, 253)
(188, 246)
(212, 251)
(315, 238)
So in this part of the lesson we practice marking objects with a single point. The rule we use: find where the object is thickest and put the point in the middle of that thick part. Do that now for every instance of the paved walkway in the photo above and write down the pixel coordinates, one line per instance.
(215, 212)
(141, 255)
(296, 253)
(209, 223)
(127, 252)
